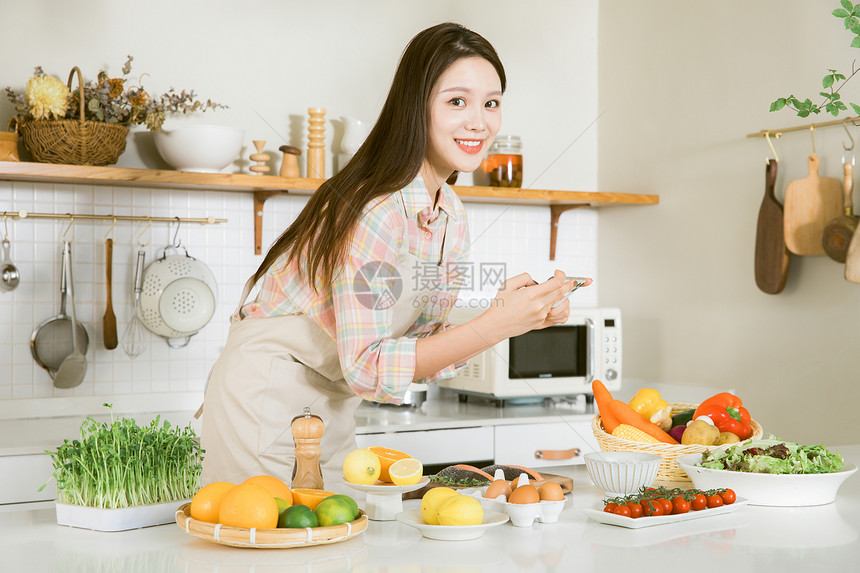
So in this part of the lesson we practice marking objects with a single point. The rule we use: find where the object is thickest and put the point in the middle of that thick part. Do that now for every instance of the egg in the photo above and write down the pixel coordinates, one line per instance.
(525, 494)
(497, 488)
(551, 491)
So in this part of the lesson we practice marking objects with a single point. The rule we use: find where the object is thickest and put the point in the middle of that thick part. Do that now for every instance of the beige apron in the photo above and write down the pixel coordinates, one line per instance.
(269, 371)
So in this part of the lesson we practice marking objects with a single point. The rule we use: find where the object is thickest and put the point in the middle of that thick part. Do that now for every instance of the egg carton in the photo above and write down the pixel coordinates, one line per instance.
(521, 514)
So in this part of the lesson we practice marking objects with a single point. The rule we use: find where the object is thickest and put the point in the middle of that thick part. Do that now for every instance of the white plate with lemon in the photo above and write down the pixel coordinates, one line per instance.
(413, 518)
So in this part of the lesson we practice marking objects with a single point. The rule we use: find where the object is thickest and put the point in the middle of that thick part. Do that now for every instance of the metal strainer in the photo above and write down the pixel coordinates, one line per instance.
(51, 341)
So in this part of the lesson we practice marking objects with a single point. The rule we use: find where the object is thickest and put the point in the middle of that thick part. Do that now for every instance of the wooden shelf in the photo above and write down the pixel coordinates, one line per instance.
(265, 186)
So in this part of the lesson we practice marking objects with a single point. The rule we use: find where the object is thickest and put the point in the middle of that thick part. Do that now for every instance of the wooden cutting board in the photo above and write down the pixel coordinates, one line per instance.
(810, 204)
(771, 255)
(566, 484)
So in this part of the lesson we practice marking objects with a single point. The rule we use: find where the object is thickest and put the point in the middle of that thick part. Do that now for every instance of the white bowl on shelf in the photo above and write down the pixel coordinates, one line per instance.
(622, 473)
(199, 148)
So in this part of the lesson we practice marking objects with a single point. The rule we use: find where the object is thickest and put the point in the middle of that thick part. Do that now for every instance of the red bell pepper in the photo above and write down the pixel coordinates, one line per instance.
(728, 414)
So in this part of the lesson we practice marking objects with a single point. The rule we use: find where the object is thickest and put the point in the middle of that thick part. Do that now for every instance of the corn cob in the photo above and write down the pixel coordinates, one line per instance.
(628, 432)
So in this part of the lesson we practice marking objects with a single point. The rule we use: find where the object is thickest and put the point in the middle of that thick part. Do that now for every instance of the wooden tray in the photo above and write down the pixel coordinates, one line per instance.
(566, 484)
(280, 538)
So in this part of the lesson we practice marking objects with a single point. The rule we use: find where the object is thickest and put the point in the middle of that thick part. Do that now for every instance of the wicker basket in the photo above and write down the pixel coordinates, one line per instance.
(74, 141)
(669, 470)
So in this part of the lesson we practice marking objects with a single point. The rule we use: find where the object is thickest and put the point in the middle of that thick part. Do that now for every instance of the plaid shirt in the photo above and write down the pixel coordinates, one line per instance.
(376, 365)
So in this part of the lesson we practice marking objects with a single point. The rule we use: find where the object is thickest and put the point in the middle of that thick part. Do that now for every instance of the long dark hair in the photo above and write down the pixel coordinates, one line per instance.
(389, 159)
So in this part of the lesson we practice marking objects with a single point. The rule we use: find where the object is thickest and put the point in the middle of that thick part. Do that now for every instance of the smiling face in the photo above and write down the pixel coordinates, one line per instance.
(465, 116)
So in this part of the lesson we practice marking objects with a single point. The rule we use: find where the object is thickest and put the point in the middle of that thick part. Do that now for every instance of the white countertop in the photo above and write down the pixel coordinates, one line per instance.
(823, 538)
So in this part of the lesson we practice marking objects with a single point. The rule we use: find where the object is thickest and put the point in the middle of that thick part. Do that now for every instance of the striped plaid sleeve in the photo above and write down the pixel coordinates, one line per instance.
(458, 274)
(376, 366)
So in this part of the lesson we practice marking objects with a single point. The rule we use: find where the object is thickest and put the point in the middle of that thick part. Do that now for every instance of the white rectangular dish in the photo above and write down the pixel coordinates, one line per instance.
(782, 490)
(122, 519)
(636, 523)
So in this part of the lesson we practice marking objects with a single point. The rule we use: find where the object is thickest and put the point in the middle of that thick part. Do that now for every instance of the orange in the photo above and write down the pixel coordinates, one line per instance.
(249, 505)
(309, 497)
(275, 486)
(207, 501)
(387, 457)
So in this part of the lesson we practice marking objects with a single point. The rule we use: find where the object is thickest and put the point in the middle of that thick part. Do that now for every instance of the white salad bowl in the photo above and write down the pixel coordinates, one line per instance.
(199, 148)
(622, 473)
(784, 490)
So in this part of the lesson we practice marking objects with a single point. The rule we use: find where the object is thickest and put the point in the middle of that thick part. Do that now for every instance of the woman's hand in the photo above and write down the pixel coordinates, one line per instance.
(522, 305)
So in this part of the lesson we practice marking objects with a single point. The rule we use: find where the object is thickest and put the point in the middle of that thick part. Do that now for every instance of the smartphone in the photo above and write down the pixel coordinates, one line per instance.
(577, 282)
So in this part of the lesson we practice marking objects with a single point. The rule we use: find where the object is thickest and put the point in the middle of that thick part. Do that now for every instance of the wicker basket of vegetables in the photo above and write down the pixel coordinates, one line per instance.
(625, 437)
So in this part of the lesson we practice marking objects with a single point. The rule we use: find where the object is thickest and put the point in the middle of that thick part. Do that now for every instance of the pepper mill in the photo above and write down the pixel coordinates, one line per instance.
(261, 158)
(290, 162)
(307, 432)
(316, 143)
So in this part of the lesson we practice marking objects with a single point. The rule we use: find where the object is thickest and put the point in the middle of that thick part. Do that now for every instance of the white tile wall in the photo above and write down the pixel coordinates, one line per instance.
(164, 377)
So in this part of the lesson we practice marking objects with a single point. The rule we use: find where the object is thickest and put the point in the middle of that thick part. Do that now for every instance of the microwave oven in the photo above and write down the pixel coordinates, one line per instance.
(560, 360)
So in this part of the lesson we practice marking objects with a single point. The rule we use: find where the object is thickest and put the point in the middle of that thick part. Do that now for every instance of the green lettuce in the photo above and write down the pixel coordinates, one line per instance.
(773, 456)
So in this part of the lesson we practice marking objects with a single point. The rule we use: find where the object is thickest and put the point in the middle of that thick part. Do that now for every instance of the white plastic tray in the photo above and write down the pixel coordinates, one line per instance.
(122, 519)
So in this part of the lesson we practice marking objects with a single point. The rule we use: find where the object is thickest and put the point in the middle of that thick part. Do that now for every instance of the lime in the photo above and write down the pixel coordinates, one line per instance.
(334, 510)
(282, 505)
(298, 516)
(355, 512)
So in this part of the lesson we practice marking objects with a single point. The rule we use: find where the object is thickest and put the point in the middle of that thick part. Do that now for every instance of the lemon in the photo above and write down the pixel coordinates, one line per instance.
(362, 467)
(406, 471)
(460, 510)
(432, 500)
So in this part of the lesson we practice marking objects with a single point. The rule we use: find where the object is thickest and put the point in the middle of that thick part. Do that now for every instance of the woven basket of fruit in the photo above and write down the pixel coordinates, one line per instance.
(669, 470)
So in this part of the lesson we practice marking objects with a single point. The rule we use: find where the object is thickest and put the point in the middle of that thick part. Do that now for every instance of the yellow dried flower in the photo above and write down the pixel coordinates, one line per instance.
(116, 87)
(47, 96)
(138, 97)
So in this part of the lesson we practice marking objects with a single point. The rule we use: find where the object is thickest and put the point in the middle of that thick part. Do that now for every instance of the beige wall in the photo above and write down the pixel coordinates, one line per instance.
(681, 84)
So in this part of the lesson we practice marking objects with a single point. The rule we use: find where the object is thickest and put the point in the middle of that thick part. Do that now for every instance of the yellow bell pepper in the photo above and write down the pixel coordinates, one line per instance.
(648, 402)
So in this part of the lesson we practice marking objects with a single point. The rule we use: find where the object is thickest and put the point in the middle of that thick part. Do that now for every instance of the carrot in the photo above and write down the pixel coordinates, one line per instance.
(604, 399)
(627, 415)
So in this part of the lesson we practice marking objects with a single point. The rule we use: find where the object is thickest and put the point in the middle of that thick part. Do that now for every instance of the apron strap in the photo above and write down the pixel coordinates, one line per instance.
(249, 284)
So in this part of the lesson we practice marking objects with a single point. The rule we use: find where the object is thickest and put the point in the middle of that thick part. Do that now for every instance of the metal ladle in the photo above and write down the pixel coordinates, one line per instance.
(9, 275)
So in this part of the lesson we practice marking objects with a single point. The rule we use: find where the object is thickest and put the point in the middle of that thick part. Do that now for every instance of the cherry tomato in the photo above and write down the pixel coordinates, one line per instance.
(651, 507)
(622, 510)
(699, 502)
(680, 505)
(635, 509)
(667, 505)
(729, 496)
(715, 500)
(610, 507)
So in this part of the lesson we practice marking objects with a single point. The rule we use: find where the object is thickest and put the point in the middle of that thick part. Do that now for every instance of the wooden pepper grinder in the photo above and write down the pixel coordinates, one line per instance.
(261, 158)
(307, 432)
(290, 162)
(316, 143)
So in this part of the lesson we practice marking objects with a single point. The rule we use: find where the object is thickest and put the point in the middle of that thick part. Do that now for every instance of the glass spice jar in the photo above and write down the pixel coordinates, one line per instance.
(504, 163)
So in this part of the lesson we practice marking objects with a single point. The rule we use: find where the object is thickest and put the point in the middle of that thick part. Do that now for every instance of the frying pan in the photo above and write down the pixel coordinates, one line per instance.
(51, 341)
(838, 232)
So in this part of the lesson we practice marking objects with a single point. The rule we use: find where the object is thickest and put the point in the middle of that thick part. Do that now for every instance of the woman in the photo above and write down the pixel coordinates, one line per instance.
(356, 292)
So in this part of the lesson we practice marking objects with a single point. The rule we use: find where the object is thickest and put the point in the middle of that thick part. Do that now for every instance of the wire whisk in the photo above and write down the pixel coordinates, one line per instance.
(133, 342)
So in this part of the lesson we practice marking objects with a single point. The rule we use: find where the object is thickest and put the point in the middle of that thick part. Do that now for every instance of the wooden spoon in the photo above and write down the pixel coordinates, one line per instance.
(109, 320)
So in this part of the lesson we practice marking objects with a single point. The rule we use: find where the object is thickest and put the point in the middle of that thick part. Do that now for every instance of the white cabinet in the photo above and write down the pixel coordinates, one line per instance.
(543, 445)
(436, 446)
(22, 476)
